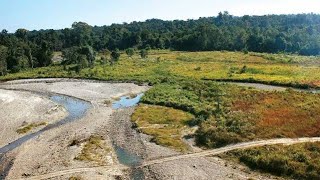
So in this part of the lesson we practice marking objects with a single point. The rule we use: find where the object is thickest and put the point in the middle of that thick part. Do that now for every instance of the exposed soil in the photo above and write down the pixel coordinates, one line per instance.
(19, 109)
(52, 151)
(157, 162)
(52, 154)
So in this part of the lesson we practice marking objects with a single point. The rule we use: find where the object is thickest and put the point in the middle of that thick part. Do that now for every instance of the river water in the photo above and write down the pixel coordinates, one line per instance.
(76, 110)
(126, 101)
(125, 157)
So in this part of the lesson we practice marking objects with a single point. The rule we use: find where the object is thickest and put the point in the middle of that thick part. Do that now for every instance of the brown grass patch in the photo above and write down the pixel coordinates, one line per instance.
(25, 129)
(94, 149)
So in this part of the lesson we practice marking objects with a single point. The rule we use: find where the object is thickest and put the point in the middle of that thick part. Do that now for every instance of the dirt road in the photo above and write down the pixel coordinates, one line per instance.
(285, 141)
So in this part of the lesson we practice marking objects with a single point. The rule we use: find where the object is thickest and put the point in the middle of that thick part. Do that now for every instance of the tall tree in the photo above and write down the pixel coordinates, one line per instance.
(3, 60)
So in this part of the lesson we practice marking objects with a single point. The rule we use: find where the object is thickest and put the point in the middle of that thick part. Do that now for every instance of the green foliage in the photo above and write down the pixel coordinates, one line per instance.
(299, 161)
(221, 66)
(144, 53)
(89, 53)
(166, 125)
(206, 100)
(44, 54)
(224, 113)
(81, 34)
(70, 55)
(291, 34)
(3, 60)
(83, 62)
(22, 53)
(83, 57)
(115, 55)
(185, 95)
(130, 52)
(243, 70)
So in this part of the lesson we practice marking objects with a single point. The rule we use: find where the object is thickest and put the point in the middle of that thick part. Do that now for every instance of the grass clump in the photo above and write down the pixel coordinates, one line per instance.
(25, 129)
(107, 102)
(94, 149)
(300, 161)
(75, 178)
(166, 125)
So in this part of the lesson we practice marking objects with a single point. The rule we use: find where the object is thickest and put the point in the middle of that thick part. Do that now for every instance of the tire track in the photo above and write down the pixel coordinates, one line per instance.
(245, 145)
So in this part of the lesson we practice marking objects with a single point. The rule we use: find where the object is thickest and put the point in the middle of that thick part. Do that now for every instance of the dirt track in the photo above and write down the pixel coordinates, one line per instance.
(56, 158)
(285, 141)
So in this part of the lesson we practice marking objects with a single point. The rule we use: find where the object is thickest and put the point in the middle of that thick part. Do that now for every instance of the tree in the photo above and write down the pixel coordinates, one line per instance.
(44, 55)
(28, 53)
(3, 60)
(130, 52)
(144, 53)
(22, 34)
(70, 55)
(115, 55)
(83, 62)
(81, 34)
(89, 53)
(271, 33)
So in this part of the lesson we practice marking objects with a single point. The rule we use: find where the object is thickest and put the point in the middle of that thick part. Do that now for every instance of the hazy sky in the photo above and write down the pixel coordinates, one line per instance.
(56, 14)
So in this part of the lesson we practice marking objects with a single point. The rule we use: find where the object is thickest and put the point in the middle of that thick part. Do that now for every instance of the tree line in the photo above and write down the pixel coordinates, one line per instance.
(270, 33)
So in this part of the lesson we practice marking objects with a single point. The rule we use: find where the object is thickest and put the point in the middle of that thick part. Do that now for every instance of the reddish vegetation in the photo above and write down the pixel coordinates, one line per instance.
(280, 114)
(316, 83)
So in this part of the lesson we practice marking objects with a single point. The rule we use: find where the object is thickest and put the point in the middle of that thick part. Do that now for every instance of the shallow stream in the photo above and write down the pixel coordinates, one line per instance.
(76, 109)
(125, 157)
(126, 101)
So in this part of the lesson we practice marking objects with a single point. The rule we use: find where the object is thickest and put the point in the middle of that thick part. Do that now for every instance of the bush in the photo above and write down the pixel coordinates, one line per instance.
(115, 55)
(130, 52)
(295, 161)
(144, 53)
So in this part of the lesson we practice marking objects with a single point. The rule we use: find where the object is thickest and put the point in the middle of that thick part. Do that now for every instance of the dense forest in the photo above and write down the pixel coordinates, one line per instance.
(298, 34)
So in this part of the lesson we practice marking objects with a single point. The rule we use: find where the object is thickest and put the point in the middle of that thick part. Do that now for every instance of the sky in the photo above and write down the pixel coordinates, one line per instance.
(58, 14)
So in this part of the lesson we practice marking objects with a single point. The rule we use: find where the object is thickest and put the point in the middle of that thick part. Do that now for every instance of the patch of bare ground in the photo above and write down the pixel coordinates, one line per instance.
(51, 151)
(24, 112)
(55, 152)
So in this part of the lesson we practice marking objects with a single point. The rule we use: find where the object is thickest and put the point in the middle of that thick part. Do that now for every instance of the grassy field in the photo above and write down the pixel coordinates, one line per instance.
(228, 113)
(224, 113)
(166, 125)
(291, 70)
(185, 94)
(300, 161)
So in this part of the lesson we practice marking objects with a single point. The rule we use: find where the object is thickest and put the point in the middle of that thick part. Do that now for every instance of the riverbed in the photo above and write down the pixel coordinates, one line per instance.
(90, 113)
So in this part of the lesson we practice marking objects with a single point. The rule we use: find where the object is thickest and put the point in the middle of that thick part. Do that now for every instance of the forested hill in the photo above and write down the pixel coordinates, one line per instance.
(271, 33)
